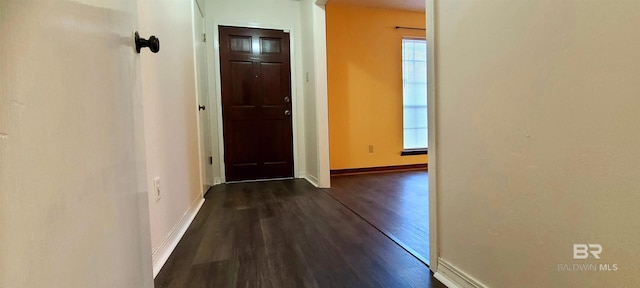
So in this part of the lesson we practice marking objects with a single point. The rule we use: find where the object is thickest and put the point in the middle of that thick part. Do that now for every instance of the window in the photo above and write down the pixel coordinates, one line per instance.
(414, 98)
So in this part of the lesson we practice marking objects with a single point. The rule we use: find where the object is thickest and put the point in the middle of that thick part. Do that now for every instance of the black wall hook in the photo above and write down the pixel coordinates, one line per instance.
(153, 43)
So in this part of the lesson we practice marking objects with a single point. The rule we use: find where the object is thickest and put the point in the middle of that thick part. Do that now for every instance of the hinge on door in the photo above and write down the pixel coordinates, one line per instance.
(204, 37)
(210, 160)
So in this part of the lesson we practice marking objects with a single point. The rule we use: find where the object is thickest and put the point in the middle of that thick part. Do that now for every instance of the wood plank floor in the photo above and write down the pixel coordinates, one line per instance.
(395, 202)
(286, 234)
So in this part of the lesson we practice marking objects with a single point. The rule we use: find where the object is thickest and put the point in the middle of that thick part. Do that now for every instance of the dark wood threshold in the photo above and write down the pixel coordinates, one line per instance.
(420, 151)
(367, 170)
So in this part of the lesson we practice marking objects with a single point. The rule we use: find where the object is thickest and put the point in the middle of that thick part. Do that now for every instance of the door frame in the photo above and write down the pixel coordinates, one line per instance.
(297, 107)
(431, 23)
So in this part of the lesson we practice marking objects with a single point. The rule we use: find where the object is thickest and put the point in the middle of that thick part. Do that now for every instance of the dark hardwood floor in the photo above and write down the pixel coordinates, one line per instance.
(394, 202)
(286, 234)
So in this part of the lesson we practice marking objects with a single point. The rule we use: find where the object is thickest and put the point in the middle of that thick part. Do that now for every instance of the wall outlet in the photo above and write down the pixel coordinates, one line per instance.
(370, 148)
(156, 188)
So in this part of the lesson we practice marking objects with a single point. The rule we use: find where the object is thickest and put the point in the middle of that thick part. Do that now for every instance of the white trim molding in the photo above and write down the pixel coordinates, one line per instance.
(164, 250)
(313, 180)
(433, 135)
(453, 277)
(322, 93)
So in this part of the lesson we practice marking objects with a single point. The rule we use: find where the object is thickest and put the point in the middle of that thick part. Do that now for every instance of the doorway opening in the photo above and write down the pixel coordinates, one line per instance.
(378, 118)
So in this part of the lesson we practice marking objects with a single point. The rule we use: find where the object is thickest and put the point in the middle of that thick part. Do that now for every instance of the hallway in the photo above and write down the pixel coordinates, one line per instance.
(286, 234)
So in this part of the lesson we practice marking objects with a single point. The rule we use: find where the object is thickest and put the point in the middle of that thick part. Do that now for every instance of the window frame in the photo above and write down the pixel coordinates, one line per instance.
(411, 151)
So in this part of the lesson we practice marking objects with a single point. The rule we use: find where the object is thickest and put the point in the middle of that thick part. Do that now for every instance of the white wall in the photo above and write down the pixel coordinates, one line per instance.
(274, 14)
(537, 139)
(203, 5)
(170, 119)
(73, 204)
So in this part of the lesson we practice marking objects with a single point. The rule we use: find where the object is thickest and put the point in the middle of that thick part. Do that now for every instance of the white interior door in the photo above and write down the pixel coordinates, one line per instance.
(203, 96)
(73, 200)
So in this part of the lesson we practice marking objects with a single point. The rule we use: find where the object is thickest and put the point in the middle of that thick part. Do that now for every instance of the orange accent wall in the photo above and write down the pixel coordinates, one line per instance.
(364, 58)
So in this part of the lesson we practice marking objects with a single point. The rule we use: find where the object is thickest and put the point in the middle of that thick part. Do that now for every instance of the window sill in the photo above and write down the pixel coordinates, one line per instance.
(419, 151)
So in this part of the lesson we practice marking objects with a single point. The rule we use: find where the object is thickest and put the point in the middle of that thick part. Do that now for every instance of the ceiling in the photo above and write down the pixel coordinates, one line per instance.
(411, 5)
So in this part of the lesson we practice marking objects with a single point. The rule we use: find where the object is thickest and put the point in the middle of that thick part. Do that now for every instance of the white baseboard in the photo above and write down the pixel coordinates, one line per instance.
(312, 179)
(453, 277)
(444, 280)
(163, 251)
(217, 181)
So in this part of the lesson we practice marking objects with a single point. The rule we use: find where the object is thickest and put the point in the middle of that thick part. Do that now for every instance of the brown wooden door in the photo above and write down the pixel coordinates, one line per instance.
(256, 103)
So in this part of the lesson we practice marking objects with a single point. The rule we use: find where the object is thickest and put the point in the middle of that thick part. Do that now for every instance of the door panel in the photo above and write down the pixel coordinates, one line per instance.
(240, 44)
(242, 86)
(245, 142)
(270, 45)
(272, 149)
(256, 103)
(73, 199)
(273, 81)
(203, 100)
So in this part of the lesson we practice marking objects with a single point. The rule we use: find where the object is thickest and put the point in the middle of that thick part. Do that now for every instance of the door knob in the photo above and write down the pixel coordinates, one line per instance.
(153, 43)
(202, 107)
(287, 112)
(286, 99)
